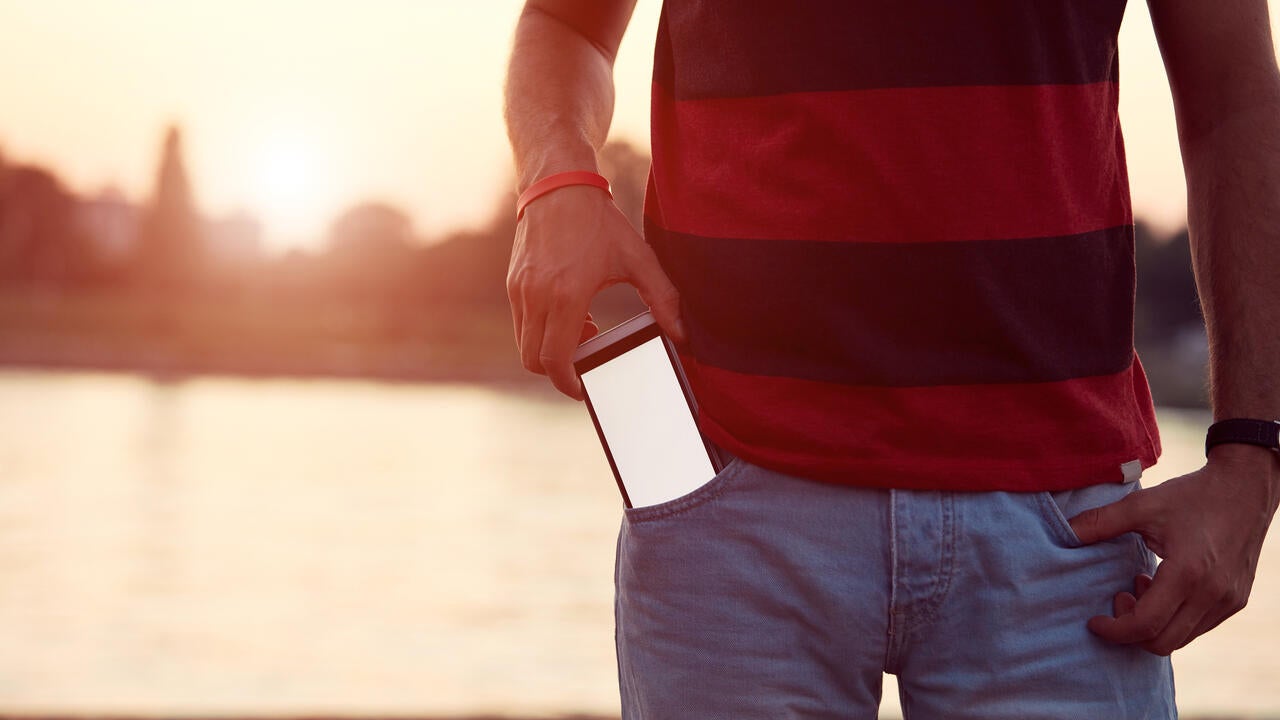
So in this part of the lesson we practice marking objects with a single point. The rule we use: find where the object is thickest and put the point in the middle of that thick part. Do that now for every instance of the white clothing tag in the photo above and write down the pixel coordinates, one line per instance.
(1132, 470)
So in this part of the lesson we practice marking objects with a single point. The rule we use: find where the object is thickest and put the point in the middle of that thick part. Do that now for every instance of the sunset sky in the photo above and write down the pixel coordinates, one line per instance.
(294, 109)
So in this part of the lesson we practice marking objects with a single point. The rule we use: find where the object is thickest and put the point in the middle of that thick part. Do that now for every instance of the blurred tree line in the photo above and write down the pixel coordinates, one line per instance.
(376, 299)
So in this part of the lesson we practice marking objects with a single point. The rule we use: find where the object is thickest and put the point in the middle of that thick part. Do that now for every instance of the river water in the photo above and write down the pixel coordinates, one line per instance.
(220, 545)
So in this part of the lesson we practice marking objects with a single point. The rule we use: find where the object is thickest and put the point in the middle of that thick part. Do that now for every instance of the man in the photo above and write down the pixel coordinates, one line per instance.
(895, 242)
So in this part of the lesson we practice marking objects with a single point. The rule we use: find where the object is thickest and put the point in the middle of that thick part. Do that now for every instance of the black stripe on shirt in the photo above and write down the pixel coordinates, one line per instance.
(742, 48)
(908, 314)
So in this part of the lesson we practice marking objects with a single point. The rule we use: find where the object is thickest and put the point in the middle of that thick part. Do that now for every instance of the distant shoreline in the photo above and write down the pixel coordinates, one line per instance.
(53, 362)
(172, 340)
(511, 382)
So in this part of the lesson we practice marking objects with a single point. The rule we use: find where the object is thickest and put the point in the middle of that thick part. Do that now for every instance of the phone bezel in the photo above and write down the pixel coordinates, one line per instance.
(616, 341)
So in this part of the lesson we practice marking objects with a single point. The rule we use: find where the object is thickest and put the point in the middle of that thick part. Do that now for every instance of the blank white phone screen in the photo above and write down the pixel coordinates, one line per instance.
(647, 425)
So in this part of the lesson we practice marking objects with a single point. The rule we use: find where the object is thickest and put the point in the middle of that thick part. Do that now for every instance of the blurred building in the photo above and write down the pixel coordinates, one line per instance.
(170, 242)
(110, 223)
(233, 240)
(39, 244)
(371, 228)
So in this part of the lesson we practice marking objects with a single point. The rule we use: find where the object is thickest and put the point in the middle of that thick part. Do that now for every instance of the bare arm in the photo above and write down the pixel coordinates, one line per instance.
(573, 241)
(1209, 525)
(559, 94)
(1226, 90)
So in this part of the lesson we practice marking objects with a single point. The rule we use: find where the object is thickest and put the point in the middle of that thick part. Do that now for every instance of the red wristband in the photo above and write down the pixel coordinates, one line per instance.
(557, 181)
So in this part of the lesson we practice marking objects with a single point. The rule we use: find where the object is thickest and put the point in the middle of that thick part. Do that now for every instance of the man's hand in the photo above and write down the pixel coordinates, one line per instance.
(572, 243)
(1208, 526)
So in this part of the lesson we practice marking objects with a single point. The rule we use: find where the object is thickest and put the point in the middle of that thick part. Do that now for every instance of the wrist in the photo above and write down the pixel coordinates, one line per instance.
(553, 160)
(1259, 464)
(1243, 453)
(560, 181)
(1251, 474)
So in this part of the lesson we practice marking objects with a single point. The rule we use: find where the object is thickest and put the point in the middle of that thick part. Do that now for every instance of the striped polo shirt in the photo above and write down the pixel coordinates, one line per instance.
(903, 238)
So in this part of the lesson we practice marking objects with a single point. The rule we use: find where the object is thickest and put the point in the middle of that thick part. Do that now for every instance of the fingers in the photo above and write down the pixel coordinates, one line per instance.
(1210, 555)
(1151, 614)
(1125, 602)
(557, 268)
(1181, 627)
(1141, 583)
(657, 291)
(532, 330)
(1109, 521)
(516, 286)
(1225, 604)
(1138, 616)
(564, 327)
(542, 347)
(1212, 619)
(517, 318)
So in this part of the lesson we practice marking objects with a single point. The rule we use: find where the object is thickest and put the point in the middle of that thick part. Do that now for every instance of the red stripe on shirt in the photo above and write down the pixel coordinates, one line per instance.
(891, 165)
(984, 437)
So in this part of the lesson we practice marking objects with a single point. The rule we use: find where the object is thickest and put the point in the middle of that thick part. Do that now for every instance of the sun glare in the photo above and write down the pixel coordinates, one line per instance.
(287, 190)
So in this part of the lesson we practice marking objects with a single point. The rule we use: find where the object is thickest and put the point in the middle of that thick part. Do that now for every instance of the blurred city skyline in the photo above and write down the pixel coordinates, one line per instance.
(293, 111)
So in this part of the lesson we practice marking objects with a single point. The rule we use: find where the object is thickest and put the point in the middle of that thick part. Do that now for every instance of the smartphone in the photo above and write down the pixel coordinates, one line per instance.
(644, 413)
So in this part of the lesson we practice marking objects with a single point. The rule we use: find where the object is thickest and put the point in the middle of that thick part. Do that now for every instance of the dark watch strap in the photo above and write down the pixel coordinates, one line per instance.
(1265, 433)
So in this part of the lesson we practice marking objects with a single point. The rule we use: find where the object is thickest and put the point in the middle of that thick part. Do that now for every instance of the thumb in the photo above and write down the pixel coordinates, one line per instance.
(657, 291)
(1110, 521)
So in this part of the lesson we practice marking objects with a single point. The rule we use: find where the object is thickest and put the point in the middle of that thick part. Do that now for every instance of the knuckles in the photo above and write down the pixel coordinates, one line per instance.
(1142, 505)
(561, 295)
(530, 286)
(1216, 585)
(522, 280)
(1089, 520)
(550, 361)
(1197, 575)
(1088, 524)
(668, 295)
(1235, 598)
(1146, 629)
(517, 282)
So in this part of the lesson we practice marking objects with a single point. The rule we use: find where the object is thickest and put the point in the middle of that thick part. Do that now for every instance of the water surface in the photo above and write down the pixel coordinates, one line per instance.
(274, 546)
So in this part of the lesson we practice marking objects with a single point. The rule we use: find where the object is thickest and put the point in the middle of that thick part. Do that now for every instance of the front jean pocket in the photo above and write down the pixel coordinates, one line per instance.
(701, 495)
(1058, 507)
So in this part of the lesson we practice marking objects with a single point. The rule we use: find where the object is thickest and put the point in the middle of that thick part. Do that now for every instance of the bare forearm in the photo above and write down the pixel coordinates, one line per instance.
(1226, 92)
(1233, 180)
(574, 241)
(559, 97)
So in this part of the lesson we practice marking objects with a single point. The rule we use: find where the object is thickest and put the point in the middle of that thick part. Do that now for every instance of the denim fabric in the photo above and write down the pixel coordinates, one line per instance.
(761, 595)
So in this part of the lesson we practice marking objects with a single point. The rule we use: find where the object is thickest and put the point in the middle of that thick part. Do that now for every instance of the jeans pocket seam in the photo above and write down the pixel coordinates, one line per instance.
(1058, 520)
(701, 495)
(1146, 559)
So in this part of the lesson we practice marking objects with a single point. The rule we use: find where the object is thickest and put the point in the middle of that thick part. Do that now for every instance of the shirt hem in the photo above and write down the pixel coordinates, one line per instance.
(958, 474)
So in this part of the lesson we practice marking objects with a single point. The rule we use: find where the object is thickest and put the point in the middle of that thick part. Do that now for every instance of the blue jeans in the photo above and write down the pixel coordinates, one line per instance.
(761, 595)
